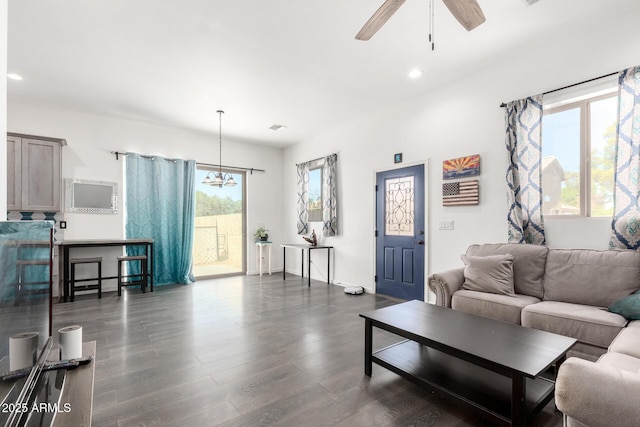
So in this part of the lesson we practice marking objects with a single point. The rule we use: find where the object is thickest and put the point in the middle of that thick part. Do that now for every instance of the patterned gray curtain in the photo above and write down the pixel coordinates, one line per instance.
(329, 196)
(303, 198)
(524, 174)
(625, 225)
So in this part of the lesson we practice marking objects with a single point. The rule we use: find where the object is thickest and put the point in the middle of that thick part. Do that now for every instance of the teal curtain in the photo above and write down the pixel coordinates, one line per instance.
(160, 204)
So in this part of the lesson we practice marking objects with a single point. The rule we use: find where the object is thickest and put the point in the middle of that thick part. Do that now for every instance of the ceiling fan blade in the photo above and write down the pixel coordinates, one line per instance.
(467, 12)
(379, 18)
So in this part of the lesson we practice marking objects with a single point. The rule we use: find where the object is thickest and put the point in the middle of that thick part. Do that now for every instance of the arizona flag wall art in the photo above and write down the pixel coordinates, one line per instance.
(462, 167)
(460, 193)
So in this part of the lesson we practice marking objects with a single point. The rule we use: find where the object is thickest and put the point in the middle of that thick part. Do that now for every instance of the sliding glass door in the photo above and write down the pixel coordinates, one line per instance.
(219, 241)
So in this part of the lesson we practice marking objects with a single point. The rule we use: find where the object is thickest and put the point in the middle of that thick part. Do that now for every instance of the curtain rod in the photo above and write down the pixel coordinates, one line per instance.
(312, 160)
(238, 168)
(251, 170)
(315, 160)
(572, 85)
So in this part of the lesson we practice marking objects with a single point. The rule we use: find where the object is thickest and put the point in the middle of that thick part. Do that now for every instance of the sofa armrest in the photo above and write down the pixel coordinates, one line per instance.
(597, 395)
(444, 284)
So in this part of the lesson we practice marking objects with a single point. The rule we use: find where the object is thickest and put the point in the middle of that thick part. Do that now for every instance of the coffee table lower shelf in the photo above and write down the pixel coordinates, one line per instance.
(477, 387)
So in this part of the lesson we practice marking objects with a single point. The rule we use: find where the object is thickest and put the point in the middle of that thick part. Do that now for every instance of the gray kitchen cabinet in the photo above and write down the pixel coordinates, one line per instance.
(14, 181)
(33, 172)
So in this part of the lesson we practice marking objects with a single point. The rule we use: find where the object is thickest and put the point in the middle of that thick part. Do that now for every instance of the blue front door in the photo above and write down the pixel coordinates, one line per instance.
(400, 238)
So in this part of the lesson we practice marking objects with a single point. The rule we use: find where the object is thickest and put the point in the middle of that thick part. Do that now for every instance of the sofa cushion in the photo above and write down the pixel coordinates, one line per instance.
(629, 307)
(528, 264)
(591, 277)
(627, 342)
(587, 324)
(620, 361)
(493, 273)
(597, 395)
(500, 307)
(634, 324)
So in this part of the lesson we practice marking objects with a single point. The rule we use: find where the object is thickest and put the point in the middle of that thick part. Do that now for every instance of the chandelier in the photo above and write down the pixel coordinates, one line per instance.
(218, 178)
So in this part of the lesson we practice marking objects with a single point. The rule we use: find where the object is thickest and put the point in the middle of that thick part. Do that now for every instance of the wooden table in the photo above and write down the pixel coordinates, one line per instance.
(75, 402)
(491, 366)
(78, 391)
(308, 248)
(67, 245)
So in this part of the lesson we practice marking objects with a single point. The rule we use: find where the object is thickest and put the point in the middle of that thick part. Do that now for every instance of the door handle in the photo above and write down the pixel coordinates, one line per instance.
(420, 242)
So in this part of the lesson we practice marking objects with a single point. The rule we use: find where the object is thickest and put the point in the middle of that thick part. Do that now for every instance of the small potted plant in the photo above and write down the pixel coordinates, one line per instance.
(261, 234)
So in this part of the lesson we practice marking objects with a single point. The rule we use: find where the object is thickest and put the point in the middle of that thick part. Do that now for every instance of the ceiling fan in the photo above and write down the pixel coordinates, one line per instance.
(467, 12)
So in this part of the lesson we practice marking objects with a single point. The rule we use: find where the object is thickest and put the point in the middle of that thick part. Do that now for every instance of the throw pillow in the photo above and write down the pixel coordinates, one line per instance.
(629, 307)
(493, 273)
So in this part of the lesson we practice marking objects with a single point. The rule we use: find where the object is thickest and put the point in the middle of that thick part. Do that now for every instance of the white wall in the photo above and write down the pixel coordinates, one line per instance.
(456, 120)
(91, 138)
(4, 14)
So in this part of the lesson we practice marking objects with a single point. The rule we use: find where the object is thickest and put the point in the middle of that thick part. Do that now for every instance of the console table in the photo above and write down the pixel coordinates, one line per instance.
(308, 248)
(67, 245)
(491, 366)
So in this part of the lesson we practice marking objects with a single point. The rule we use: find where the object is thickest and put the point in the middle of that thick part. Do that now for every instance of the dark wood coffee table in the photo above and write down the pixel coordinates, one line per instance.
(491, 366)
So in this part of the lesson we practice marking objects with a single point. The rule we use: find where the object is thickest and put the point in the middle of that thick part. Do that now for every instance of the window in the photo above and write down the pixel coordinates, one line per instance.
(314, 204)
(578, 152)
(219, 247)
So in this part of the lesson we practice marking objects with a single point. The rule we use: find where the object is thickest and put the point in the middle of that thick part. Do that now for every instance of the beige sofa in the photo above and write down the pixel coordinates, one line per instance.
(604, 393)
(565, 291)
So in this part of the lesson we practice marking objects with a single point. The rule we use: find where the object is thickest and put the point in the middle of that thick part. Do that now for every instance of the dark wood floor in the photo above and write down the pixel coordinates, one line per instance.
(247, 351)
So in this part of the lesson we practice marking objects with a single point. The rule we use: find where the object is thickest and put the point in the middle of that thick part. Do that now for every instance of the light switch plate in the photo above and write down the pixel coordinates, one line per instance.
(446, 225)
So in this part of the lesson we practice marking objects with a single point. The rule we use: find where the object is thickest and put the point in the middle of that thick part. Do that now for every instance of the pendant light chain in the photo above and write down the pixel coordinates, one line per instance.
(218, 178)
(220, 113)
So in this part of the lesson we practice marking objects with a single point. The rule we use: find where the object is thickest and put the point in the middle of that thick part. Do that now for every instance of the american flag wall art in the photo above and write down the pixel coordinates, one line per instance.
(460, 193)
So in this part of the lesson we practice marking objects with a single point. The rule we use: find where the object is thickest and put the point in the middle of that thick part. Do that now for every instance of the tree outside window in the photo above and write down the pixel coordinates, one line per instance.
(314, 205)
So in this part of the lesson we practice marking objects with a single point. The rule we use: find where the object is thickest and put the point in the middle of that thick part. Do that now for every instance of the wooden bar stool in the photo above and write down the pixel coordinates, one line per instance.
(72, 280)
(32, 266)
(134, 279)
(26, 284)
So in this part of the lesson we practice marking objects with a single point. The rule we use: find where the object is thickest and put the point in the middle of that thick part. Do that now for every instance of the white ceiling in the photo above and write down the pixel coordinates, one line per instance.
(291, 62)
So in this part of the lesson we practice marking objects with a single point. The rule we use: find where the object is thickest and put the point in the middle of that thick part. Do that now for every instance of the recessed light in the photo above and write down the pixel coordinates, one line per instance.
(14, 76)
(277, 127)
(415, 74)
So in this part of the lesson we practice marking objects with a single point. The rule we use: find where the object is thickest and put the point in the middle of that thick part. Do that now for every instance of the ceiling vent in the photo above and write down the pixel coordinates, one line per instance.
(277, 127)
(530, 2)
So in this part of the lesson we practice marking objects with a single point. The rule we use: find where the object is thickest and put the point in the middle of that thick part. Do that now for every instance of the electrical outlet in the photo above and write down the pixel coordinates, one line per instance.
(446, 225)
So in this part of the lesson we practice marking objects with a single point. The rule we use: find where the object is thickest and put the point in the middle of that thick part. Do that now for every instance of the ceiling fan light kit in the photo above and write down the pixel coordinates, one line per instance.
(467, 12)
